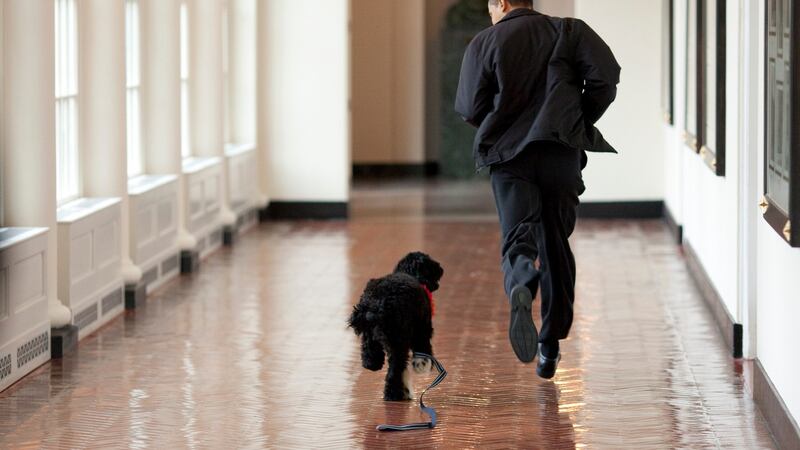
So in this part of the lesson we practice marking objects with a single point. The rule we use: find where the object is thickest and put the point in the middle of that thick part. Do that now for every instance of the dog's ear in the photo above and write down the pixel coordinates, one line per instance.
(411, 264)
(358, 320)
(423, 268)
(432, 272)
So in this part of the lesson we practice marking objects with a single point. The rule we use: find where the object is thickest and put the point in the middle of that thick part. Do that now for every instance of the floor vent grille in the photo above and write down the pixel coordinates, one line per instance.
(30, 350)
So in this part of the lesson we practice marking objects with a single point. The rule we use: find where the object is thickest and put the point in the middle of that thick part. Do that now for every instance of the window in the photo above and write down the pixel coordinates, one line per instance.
(668, 60)
(781, 203)
(133, 82)
(186, 149)
(226, 91)
(66, 89)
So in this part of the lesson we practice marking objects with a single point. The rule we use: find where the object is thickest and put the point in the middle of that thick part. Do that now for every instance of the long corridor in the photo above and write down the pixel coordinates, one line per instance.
(253, 351)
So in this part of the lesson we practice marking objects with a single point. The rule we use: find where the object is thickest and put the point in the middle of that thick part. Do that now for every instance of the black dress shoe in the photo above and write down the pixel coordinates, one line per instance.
(521, 329)
(546, 368)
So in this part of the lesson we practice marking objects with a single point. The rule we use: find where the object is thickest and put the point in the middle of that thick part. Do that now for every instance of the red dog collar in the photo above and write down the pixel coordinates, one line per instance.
(430, 298)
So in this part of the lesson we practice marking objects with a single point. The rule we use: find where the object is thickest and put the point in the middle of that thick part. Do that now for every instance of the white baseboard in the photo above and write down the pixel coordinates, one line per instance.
(23, 354)
(99, 309)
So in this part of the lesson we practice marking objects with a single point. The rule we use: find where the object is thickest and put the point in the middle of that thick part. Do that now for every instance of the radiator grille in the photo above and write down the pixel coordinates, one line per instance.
(201, 245)
(214, 238)
(112, 300)
(170, 264)
(5, 366)
(86, 317)
(30, 350)
(150, 276)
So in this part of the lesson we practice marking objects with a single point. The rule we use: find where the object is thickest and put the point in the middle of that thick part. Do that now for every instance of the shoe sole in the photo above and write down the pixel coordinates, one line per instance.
(521, 330)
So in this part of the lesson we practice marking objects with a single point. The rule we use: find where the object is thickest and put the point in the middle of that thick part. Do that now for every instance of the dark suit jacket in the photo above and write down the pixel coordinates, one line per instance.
(534, 78)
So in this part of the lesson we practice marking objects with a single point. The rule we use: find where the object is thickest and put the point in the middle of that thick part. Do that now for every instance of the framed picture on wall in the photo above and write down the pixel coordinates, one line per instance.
(705, 81)
(712, 63)
(691, 93)
(781, 202)
(668, 60)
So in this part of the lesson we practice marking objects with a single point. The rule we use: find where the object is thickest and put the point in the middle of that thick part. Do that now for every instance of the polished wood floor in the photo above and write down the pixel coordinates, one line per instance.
(253, 351)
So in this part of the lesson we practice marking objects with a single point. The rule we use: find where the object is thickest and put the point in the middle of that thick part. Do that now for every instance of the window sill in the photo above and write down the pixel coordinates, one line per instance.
(82, 208)
(232, 150)
(142, 184)
(10, 237)
(195, 164)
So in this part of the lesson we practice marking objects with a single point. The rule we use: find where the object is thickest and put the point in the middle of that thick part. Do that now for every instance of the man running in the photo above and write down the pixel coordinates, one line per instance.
(534, 86)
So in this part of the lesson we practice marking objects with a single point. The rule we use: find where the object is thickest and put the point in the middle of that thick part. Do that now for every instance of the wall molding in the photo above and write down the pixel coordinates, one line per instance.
(732, 332)
(622, 210)
(779, 420)
(414, 170)
(283, 210)
(675, 228)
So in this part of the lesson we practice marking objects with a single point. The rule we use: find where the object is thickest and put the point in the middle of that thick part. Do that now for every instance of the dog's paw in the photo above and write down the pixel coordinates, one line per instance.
(372, 364)
(421, 365)
(397, 395)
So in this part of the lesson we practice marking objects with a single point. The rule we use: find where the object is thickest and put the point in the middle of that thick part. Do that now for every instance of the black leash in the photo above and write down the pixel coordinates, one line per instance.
(425, 409)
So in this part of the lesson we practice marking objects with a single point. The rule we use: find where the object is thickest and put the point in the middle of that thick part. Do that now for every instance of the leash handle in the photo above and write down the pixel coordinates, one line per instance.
(425, 409)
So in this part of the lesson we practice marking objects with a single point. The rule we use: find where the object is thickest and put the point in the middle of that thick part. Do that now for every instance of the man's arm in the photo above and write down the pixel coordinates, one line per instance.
(599, 69)
(474, 97)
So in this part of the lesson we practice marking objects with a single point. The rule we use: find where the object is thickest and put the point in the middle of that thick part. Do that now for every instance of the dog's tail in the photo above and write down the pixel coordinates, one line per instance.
(360, 320)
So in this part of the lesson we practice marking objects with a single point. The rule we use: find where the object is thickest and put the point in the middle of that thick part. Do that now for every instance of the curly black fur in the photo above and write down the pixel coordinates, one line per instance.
(393, 317)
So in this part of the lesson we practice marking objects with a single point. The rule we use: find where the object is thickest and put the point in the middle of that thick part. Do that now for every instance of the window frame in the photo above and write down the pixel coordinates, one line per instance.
(226, 72)
(67, 96)
(133, 93)
(785, 223)
(185, 76)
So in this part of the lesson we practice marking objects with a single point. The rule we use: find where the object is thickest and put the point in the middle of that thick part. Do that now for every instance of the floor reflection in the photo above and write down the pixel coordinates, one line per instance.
(253, 351)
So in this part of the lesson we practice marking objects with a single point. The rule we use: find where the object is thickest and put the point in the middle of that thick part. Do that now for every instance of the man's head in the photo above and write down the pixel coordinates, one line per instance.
(499, 8)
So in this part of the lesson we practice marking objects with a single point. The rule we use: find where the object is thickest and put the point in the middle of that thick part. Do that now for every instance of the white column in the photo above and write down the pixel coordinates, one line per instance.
(103, 124)
(262, 99)
(205, 89)
(29, 169)
(242, 69)
(161, 97)
(304, 93)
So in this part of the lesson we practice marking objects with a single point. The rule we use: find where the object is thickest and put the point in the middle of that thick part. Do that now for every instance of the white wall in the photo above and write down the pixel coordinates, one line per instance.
(778, 309)
(778, 298)
(304, 123)
(557, 8)
(713, 211)
(673, 143)
(388, 69)
(705, 204)
(632, 28)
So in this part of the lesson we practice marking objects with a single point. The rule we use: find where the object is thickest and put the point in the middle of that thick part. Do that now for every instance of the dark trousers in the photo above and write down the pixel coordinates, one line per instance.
(537, 195)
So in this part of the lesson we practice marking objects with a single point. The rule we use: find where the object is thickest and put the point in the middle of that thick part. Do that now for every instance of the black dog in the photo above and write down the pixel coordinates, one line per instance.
(393, 317)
